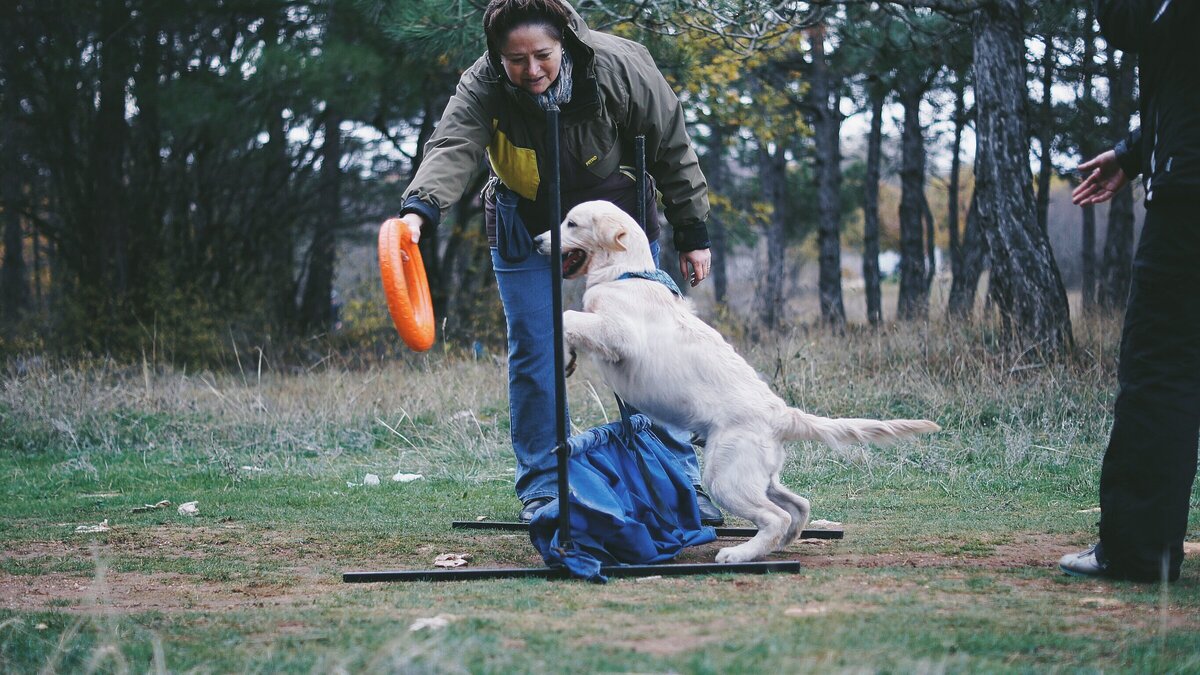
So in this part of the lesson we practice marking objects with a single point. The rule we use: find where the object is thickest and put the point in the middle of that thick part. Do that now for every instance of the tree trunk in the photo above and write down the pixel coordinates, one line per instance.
(871, 209)
(829, 180)
(914, 296)
(930, 243)
(1088, 289)
(14, 292)
(772, 175)
(1046, 135)
(108, 246)
(316, 310)
(717, 176)
(960, 121)
(972, 260)
(1033, 304)
(429, 116)
(445, 274)
(1118, 243)
(279, 245)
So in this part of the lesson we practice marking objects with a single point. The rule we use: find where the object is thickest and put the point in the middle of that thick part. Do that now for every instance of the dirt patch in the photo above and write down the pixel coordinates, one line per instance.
(1025, 551)
(139, 592)
(289, 568)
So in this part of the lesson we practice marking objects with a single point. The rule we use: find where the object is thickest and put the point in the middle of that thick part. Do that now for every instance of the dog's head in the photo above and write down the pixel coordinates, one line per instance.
(597, 235)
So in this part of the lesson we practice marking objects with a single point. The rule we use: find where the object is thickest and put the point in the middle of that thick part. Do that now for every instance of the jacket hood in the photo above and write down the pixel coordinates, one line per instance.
(578, 38)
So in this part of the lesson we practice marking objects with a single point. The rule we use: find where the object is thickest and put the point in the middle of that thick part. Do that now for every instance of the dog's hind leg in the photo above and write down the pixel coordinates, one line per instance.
(796, 506)
(738, 478)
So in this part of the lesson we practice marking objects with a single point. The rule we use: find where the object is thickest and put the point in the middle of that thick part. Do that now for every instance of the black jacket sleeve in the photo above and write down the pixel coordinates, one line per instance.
(1129, 153)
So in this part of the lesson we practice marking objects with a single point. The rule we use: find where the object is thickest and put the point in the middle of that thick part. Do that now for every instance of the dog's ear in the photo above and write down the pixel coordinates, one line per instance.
(610, 228)
(619, 240)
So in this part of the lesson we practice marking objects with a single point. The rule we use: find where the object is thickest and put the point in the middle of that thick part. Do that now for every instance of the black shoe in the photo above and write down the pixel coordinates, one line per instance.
(531, 507)
(709, 513)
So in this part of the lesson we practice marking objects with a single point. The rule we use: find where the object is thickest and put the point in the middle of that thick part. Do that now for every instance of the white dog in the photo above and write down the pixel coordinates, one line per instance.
(663, 360)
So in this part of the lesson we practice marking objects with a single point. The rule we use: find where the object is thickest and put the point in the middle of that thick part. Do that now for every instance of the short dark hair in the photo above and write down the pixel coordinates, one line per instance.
(502, 16)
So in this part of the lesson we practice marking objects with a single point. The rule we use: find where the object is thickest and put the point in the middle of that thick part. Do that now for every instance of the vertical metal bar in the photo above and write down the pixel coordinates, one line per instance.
(639, 166)
(554, 215)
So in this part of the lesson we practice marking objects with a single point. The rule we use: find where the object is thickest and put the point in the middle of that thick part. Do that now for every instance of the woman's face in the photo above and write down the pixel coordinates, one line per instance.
(531, 58)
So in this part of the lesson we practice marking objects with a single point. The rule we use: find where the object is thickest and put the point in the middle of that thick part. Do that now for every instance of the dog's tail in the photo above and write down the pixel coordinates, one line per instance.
(801, 426)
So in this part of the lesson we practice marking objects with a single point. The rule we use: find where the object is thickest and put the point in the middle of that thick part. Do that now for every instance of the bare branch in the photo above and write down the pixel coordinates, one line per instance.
(946, 6)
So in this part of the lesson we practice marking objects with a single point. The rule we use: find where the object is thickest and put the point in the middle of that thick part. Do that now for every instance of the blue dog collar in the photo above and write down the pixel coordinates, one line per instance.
(654, 275)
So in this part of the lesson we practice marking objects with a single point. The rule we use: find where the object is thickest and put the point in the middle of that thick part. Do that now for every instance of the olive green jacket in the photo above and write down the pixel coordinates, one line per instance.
(618, 94)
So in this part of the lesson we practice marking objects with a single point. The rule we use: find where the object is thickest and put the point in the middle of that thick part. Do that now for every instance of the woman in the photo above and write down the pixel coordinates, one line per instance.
(540, 55)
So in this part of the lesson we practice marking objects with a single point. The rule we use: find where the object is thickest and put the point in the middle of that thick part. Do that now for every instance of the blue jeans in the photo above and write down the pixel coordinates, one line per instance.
(525, 292)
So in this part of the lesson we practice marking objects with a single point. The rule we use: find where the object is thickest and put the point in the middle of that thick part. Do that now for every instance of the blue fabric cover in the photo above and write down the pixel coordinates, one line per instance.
(631, 503)
(513, 241)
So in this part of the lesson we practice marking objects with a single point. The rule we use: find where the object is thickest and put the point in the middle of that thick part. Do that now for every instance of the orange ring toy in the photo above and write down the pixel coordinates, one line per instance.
(405, 285)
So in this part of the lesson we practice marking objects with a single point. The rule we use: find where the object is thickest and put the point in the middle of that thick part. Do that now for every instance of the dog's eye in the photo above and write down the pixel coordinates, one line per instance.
(571, 223)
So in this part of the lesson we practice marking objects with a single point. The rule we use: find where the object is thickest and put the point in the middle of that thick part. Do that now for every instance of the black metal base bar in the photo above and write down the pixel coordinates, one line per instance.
(614, 571)
(721, 531)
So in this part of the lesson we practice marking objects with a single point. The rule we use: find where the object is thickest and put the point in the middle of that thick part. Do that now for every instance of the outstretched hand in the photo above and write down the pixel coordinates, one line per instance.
(1105, 179)
(695, 265)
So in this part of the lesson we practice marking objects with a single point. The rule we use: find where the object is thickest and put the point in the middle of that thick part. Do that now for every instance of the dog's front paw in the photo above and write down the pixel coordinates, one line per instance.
(736, 554)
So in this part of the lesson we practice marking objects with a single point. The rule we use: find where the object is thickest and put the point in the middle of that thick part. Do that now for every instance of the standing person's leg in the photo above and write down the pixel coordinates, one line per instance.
(1150, 464)
(525, 293)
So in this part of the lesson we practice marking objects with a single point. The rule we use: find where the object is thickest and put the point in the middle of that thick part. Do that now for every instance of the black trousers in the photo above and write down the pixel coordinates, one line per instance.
(1150, 463)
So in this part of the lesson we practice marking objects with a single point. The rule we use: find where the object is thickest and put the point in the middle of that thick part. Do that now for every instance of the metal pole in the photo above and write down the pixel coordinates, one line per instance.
(639, 165)
(562, 450)
(615, 571)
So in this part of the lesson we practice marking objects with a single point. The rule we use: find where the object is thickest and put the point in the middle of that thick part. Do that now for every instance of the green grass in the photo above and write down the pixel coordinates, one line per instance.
(947, 565)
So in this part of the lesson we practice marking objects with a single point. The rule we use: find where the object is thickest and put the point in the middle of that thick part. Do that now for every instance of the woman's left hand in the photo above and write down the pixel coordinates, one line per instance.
(699, 262)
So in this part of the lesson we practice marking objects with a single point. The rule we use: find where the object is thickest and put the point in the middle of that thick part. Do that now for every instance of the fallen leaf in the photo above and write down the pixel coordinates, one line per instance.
(151, 507)
(41, 626)
(452, 560)
(189, 509)
(93, 529)
(433, 622)
(1094, 509)
(370, 479)
(480, 519)
(811, 610)
(1098, 601)
(401, 477)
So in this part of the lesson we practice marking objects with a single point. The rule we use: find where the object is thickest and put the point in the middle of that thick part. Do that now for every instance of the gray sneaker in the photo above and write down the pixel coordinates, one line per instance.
(1087, 563)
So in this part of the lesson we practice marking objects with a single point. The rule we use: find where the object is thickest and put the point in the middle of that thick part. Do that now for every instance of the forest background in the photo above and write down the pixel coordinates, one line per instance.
(199, 179)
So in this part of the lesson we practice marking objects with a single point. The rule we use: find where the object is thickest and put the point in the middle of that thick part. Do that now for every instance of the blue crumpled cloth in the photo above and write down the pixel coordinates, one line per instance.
(631, 503)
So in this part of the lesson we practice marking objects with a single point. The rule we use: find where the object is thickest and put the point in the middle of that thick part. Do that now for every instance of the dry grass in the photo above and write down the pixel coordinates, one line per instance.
(947, 565)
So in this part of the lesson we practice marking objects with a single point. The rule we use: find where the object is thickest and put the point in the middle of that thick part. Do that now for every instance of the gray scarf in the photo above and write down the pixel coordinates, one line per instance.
(559, 93)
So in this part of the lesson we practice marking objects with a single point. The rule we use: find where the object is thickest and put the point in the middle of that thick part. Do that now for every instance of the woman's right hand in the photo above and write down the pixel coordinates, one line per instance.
(415, 222)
